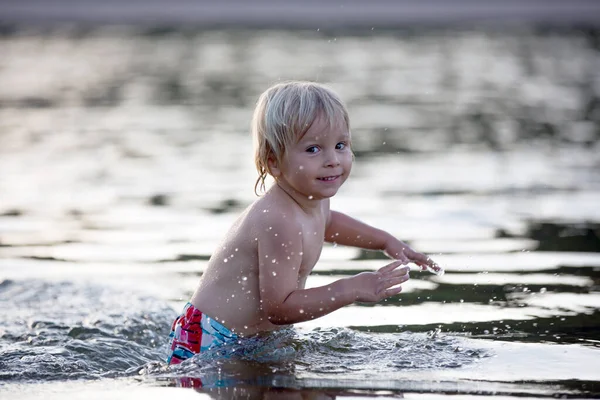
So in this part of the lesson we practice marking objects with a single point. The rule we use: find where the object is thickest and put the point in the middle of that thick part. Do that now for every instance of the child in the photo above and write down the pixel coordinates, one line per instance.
(254, 281)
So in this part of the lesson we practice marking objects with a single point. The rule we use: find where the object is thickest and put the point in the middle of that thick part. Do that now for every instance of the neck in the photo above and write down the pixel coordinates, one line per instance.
(306, 203)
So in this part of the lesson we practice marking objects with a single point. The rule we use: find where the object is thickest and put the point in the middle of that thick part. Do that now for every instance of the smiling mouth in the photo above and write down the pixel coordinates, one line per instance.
(329, 178)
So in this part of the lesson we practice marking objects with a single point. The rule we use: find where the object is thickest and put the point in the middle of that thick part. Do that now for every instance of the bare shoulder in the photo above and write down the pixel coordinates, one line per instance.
(271, 215)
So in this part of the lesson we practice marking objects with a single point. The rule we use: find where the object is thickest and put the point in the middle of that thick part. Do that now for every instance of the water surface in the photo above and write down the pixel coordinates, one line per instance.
(125, 156)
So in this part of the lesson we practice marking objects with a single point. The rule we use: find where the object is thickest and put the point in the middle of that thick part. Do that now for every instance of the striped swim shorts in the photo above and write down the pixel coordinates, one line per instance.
(194, 332)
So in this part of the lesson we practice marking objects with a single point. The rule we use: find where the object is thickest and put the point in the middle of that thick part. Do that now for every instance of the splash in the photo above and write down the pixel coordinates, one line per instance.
(64, 331)
(291, 355)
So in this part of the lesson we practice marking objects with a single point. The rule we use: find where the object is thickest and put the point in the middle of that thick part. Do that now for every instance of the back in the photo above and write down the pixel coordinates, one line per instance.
(229, 290)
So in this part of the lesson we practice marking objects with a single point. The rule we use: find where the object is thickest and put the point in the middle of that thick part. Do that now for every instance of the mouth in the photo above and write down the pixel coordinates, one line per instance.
(329, 178)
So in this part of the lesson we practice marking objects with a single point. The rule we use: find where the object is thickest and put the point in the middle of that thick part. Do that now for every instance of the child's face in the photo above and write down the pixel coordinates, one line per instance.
(319, 163)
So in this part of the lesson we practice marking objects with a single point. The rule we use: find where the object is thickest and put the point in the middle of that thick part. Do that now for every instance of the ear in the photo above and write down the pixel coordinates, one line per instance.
(273, 166)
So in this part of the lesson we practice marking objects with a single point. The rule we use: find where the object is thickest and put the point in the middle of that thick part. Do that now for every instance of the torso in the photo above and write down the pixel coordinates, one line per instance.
(229, 288)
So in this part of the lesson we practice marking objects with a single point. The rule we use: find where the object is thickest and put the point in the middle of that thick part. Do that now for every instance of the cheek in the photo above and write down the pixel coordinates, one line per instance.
(297, 168)
(348, 161)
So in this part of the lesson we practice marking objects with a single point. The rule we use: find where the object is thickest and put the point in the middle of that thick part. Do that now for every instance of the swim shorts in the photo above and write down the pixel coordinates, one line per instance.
(194, 332)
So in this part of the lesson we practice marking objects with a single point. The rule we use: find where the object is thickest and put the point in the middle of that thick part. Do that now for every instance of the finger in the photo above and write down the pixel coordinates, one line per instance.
(391, 266)
(396, 281)
(402, 258)
(392, 291)
(389, 283)
(435, 267)
(397, 272)
(418, 258)
(431, 266)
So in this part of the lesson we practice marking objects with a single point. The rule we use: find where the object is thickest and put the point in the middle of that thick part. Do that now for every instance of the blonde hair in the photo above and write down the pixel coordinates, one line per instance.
(284, 113)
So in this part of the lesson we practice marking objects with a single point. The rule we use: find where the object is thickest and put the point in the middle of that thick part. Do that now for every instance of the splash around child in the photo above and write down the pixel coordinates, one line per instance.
(255, 280)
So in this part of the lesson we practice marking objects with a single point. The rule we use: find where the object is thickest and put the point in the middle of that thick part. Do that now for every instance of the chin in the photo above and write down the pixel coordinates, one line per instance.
(325, 194)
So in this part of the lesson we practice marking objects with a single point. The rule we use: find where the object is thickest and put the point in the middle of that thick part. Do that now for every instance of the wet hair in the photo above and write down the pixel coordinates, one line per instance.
(283, 115)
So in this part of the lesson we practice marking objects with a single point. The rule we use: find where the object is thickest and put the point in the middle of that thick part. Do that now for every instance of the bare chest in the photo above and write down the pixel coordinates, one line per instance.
(312, 244)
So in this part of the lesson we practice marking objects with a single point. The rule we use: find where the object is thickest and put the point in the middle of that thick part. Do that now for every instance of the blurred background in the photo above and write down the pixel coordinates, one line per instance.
(125, 154)
(108, 102)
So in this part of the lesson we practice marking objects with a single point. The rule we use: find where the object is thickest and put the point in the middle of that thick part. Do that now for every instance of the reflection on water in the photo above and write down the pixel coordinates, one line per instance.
(125, 156)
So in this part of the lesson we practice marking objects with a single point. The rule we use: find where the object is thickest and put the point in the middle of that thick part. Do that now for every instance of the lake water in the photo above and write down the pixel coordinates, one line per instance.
(125, 155)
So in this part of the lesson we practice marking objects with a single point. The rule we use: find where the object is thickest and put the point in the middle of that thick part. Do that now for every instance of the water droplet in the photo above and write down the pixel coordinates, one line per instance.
(333, 299)
(244, 278)
(245, 326)
(273, 261)
(301, 311)
(310, 197)
(233, 295)
(301, 253)
(301, 167)
(274, 273)
(224, 260)
(236, 249)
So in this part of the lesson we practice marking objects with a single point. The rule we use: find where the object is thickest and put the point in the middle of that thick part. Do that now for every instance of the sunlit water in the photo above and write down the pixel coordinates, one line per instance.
(125, 156)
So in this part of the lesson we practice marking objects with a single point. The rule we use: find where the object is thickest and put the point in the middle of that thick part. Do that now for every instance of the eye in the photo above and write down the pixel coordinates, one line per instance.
(340, 146)
(312, 149)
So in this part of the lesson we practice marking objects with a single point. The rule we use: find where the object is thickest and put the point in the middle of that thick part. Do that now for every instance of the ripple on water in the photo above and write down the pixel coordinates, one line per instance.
(340, 349)
(291, 355)
(62, 331)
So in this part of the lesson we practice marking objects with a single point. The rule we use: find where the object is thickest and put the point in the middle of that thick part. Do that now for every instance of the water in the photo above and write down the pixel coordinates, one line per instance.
(124, 157)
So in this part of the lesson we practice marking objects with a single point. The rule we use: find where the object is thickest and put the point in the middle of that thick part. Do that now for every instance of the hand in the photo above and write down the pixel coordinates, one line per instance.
(371, 287)
(399, 250)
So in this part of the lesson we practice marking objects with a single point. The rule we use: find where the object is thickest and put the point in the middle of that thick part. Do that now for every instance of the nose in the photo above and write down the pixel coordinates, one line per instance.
(332, 159)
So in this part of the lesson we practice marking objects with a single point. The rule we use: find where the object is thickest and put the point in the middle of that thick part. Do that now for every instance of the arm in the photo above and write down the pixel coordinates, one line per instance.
(345, 230)
(285, 302)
